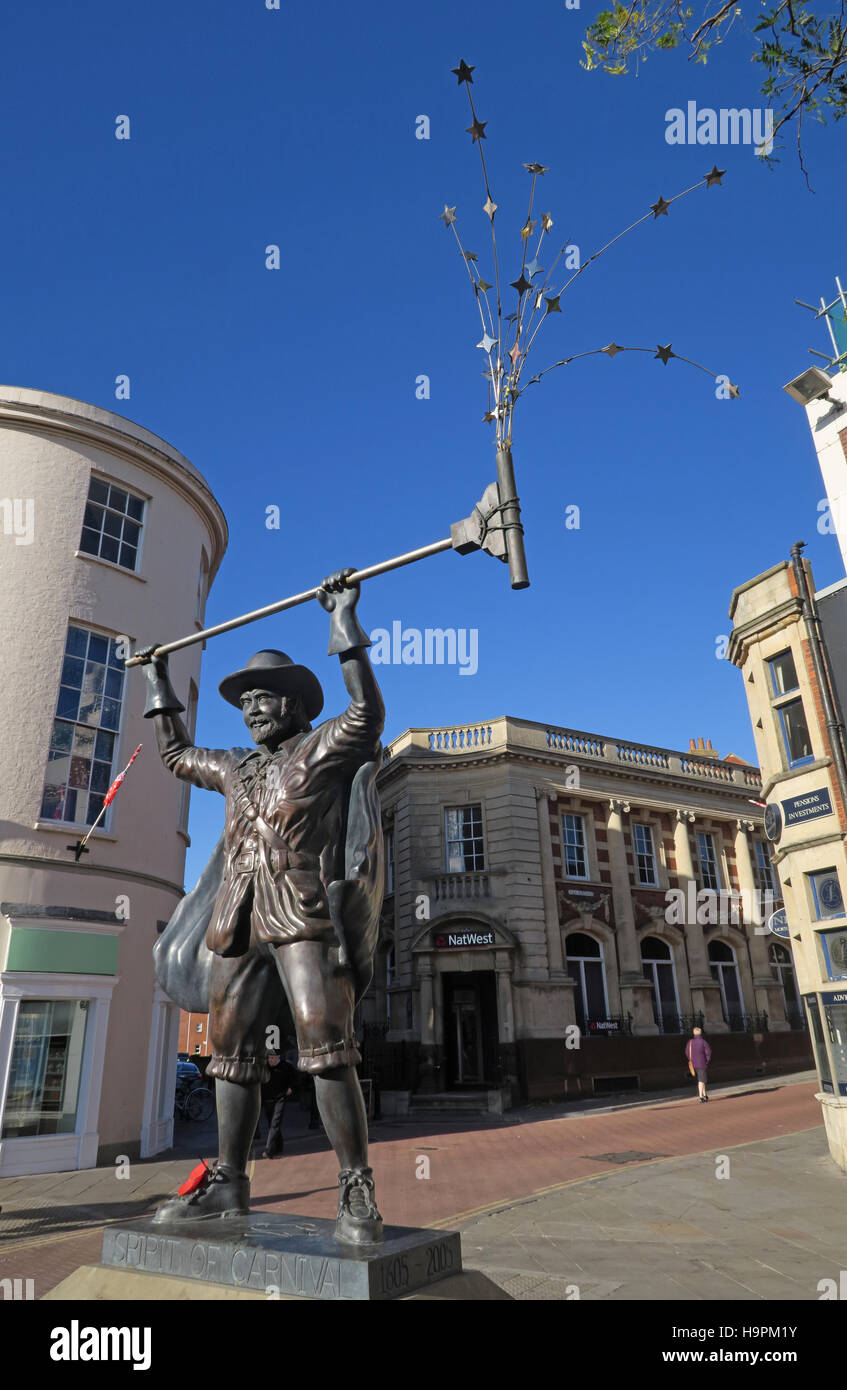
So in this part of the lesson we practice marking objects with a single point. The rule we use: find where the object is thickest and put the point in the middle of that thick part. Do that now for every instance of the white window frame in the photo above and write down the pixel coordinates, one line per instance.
(466, 806)
(97, 477)
(590, 960)
(716, 859)
(580, 878)
(51, 1153)
(646, 826)
(764, 869)
(653, 962)
(157, 1118)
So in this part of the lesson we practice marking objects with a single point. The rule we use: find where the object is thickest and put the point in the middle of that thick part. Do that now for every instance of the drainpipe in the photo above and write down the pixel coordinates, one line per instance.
(834, 722)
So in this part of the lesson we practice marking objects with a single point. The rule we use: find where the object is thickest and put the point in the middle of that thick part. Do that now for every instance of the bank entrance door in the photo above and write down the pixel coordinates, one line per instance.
(470, 1027)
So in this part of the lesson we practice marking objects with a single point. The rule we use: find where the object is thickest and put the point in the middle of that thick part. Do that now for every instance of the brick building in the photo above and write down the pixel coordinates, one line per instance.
(561, 908)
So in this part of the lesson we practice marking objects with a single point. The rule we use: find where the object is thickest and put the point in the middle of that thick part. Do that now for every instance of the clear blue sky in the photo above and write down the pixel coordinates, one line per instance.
(297, 387)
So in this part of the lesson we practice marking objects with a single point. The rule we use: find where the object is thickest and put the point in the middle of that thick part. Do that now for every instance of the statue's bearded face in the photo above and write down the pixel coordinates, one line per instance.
(269, 717)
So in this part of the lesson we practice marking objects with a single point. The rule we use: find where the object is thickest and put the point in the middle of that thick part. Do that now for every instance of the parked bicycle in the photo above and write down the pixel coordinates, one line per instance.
(193, 1101)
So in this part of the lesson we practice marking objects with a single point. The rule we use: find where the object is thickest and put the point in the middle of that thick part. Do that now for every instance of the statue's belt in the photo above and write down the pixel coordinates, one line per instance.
(281, 857)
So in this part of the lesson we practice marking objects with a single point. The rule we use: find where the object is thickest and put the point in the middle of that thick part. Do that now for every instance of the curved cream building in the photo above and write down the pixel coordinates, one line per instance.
(106, 532)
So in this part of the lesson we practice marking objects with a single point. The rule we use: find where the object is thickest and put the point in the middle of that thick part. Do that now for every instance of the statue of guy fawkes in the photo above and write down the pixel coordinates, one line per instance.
(293, 906)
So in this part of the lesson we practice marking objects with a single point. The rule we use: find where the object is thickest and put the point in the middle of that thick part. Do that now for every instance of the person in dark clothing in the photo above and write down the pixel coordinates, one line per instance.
(699, 1056)
(275, 1093)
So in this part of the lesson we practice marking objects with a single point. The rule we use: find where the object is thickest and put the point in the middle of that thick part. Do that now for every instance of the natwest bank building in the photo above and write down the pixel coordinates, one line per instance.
(561, 909)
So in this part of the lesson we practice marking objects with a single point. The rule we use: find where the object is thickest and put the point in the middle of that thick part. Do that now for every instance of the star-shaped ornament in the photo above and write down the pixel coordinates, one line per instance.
(488, 417)
(546, 221)
(482, 284)
(448, 216)
(660, 209)
(477, 130)
(527, 229)
(664, 354)
(734, 392)
(490, 207)
(553, 304)
(510, 318)
(537, 168)
(470, 255)
(612, 349)
(533, 267)
(521, 285)
(487, 342)
(515, 354)
(714, 176)
(463, 72)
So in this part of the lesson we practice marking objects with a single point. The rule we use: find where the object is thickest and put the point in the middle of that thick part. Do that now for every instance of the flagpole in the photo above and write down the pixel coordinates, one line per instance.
(79, 847)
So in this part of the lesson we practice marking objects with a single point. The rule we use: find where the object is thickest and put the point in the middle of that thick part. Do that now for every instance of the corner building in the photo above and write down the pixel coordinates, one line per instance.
(789, 643)
(561, 909)
(125, 536)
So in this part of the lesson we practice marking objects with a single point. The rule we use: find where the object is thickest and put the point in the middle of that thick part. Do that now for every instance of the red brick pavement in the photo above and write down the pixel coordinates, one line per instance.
(474, 1166)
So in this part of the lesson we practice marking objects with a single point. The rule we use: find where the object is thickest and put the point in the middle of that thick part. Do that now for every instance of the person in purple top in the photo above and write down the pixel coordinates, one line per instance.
(699, 1056)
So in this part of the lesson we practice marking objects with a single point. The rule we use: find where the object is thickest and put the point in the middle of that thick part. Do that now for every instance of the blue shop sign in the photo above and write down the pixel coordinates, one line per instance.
(807, 807)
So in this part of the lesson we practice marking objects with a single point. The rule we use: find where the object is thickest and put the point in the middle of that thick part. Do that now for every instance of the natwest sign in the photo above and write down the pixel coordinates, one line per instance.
(452, 940)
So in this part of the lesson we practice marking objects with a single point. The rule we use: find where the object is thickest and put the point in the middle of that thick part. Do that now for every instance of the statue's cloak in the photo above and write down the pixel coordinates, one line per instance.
(182, 959)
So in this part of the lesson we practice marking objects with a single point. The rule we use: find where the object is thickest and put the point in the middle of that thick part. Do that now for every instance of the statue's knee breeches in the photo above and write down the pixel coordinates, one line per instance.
(245, 999)
(321, 996)
(247, 996)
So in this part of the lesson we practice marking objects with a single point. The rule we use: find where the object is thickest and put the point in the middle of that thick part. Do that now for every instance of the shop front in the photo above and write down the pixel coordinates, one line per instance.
(463, 969)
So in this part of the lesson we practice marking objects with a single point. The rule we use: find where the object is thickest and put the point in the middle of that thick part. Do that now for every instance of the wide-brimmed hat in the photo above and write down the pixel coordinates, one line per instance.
(270, 670)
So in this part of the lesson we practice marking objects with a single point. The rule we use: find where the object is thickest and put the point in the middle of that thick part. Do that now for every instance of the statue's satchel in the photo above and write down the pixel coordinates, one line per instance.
(181, 958)
(355, 902)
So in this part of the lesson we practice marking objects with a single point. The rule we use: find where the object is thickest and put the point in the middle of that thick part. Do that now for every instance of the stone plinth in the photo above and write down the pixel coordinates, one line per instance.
(285, 1256)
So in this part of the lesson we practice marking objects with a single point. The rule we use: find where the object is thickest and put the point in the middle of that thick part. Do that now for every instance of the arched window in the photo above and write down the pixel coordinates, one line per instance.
(724, 969)
(658, 966)
(783, 967)
(586, 968)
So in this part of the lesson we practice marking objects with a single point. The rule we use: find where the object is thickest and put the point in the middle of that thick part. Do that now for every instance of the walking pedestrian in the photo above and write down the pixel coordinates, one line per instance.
(275, 1093)
(699, 1056)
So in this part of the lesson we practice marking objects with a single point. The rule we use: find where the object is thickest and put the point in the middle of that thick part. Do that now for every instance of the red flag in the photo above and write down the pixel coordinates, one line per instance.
(112, 792)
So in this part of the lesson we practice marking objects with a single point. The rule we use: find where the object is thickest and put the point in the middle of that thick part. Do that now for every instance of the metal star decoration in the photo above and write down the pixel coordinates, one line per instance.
(508, 338)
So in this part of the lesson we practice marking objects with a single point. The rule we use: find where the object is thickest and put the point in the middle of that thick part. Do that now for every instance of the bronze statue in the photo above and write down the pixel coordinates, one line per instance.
(288, 908)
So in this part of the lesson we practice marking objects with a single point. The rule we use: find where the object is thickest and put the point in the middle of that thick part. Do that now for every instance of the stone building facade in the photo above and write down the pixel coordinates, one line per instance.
(790, 645)
(561, 909)
(111, 532)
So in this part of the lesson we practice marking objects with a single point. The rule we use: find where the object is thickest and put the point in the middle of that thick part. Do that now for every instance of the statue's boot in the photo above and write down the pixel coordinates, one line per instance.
(220, 1193)
(359, 1221)
(222, 1190)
